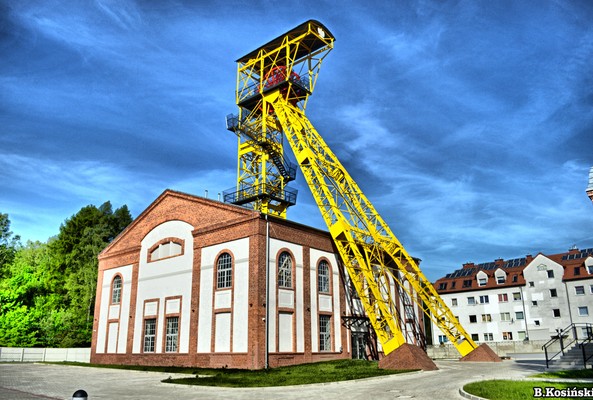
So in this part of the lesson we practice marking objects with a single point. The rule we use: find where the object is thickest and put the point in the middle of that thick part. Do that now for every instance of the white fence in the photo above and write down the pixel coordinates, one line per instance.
(503, 349)
(24, 354)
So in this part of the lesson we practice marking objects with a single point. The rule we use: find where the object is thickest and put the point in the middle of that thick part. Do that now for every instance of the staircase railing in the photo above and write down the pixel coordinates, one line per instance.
(567, 338)
(584, 347)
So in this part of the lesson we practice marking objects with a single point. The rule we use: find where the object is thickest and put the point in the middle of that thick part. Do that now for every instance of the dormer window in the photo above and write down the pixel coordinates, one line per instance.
(482, 278)
(166, 249)
(501, 276)
(443, 286)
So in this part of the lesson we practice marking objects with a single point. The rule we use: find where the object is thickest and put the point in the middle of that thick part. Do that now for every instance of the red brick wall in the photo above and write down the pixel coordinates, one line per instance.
(216, 223)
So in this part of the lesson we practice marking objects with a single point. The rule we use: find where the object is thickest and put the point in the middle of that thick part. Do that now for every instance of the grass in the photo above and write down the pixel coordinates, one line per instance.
(516, 390)
(570, 374)
(321, 372)
(330, 371)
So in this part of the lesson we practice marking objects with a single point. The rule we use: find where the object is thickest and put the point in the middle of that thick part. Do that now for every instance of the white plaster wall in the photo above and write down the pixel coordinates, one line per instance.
(165, 278)
(297, 252)
(240, 298)
(335, 305)
(126, 273)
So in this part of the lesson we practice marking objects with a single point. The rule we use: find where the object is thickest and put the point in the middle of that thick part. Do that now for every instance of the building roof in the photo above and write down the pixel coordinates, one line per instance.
(573, 262)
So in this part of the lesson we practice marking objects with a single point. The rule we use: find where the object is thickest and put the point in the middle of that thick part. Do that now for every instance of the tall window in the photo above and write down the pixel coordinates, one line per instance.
(323, 277)
(324, 333)
(116, 290)
(285, 270)
(224, 268)
(172, 334)
(149, 335)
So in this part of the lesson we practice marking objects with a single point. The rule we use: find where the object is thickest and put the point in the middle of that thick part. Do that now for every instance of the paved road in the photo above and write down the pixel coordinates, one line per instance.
(44, 381)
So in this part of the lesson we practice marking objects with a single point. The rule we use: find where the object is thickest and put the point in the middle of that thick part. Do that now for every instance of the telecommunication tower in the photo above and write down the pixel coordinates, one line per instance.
(274, 83)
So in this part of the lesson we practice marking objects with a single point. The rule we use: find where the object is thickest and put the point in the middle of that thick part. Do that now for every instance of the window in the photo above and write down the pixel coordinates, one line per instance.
(531, 284)
(579, 290)
(165, 250)
(583, 311)
(590, 269)
(453, 285)
(482, 281)
(517, 296)
(285, 270)
(503, 297)
(475, 337)
(534, 303)
(484, 300)
(324, 333)
(443, 339)
(591, 289)
(553, 293)
(486, 318)
(467, 283)
(224, 271)
(116, 290)
(519, 315)
(515, 278)
(471, 301)
(323, 277)
(577, 270)
(149, 335)
(556, 312)
(443, 286)
(488, 337)
(473, 319)
(172, 334)
(500, 279)
(550, 273)
(454, 302)
(536, 322)
(521, 335)
(507, 336)
(505, 316)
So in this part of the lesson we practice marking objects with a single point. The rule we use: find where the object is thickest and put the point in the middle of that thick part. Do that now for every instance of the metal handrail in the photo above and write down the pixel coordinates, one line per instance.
(563, 334)
(583, 345)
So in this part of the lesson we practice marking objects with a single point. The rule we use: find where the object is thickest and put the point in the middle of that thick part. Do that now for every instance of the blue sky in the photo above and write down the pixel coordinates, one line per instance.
(468, 124)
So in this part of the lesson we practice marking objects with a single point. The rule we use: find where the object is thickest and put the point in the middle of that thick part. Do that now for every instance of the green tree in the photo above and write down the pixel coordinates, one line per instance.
(24, 296)
(47, 290)
(8, 244)
(81, 239)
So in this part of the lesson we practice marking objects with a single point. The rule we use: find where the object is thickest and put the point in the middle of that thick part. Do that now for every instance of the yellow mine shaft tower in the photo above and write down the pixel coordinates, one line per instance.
(274, 83)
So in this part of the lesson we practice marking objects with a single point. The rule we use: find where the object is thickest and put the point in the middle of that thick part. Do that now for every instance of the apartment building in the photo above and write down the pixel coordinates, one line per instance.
(519, 299)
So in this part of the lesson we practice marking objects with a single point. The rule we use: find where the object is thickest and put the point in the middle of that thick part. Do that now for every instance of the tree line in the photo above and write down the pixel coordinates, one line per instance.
(47, 289)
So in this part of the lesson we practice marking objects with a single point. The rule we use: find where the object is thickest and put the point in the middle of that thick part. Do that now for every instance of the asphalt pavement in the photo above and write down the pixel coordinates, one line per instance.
(48, 381)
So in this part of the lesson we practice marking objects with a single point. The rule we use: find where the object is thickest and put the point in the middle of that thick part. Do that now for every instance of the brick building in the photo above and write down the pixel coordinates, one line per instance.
(185, 284)
(519, 299)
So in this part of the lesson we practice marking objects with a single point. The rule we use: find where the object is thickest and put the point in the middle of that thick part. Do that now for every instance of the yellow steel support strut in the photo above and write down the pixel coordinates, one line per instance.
(372, 255)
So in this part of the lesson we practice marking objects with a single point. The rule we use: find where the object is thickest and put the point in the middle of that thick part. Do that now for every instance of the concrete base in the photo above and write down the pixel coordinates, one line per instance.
(482, 353)
(407, 356)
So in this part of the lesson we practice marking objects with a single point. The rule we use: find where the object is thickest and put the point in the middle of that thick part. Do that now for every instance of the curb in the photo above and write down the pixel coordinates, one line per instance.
(465, 394)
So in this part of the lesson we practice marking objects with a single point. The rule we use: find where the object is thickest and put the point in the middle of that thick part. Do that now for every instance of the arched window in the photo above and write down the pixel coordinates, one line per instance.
(166, 249)
(323, 277)
(285, 270)
(116, 290)
(224, 274)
